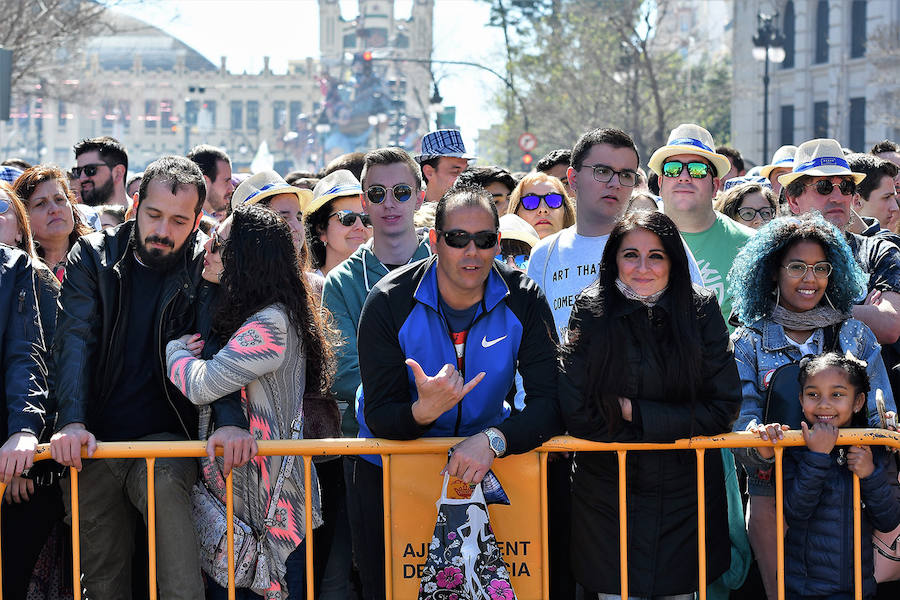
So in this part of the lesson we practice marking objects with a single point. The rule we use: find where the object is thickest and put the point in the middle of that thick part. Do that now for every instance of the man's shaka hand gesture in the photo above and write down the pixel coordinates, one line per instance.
(439, 393)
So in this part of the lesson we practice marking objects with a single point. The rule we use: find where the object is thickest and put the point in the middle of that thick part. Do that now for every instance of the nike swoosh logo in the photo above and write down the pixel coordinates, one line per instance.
(487, 344)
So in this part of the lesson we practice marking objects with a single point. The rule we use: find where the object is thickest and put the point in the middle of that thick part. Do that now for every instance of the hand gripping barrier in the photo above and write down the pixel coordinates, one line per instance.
(307, 449)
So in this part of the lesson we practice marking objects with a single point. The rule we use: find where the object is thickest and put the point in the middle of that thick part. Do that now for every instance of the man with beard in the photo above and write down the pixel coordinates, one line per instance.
(216, 168)
(102, 167)
(127, 292)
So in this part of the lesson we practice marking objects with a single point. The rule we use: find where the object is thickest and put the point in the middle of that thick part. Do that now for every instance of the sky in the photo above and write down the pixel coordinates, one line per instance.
(247, 30)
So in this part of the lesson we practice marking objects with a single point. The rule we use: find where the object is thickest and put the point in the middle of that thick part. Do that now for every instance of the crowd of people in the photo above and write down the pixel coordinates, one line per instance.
(400, 297)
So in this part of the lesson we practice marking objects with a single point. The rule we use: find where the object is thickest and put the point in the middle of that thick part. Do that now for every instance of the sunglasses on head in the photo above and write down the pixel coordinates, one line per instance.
(457, 238)
(347, 218)
(377, 193)
(748, 214)
(89, 170)
(216, 242)
(532, 201)
(696, 169)
(825, 186)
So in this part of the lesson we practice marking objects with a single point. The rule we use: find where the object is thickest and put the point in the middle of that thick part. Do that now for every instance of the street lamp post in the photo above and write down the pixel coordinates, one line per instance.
(768, 46)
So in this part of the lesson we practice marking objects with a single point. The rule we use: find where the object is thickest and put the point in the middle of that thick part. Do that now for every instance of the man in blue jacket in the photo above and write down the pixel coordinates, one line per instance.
(439, 344)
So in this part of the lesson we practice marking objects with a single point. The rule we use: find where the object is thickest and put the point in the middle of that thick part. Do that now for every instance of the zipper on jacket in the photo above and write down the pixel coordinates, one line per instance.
(162, 358)
(465, 353)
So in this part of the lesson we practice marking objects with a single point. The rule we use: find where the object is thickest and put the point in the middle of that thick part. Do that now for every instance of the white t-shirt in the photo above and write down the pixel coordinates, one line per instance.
(565, 263)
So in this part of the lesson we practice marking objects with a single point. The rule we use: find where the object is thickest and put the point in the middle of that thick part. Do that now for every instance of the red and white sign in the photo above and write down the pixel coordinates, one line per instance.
(527, 142)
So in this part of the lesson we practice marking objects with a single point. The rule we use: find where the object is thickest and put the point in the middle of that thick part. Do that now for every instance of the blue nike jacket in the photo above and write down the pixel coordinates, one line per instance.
(512, 329)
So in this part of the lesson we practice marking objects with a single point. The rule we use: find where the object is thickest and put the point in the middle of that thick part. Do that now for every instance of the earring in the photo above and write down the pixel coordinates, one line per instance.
(777, 295)
(325, 242)
(828, 300)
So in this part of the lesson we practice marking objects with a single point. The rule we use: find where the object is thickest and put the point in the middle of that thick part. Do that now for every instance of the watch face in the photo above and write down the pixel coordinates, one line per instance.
(497, 445)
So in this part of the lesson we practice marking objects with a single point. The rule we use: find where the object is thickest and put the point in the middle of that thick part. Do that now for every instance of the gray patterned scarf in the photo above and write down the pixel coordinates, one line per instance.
(629, 293)
(820, 316)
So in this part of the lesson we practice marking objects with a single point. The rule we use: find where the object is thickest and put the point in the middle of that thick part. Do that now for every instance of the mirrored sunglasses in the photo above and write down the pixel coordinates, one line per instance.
(377, 193)
(347, 218)
(532, 201)
(457, 238)
(4, 206)
(696, 169)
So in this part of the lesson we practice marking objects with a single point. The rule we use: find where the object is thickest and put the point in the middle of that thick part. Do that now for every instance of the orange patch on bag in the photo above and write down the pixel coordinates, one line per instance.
(457, 489)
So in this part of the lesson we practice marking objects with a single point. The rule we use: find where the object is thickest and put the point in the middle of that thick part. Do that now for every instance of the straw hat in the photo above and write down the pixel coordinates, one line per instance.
(689, 138)
(266, 184)
(736, 181)
(514, 227)
(820, 158)
(783, 157)
(338, 184)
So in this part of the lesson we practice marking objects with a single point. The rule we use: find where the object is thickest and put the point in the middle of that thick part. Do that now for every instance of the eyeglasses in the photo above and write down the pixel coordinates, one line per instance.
(457, 238)
(519, 260)
(89, 170)
(748, 214)
(604, 174)
(217, 242)
(532, 201)
(377, 193)
(347, 218)
(825, 186)
(4, 206)
(696, 169)
(797, 269)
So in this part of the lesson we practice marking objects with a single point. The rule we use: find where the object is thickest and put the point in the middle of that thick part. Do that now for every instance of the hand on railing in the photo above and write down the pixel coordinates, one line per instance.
(471, 459)
(19, 490)
(440, 393)
(821, 438)
(238, 447)
(773, 432)
(66, 444)
(17, 455)
(859, 460)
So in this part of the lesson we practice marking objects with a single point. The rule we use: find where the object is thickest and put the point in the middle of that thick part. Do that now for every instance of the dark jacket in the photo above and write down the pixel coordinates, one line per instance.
(89, 346)
(513, 328)
(661, 485)
(818, 496)
(23, 376)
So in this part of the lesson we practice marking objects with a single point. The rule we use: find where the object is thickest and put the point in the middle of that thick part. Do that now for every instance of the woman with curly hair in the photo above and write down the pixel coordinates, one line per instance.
(647, 359)
(794, 285)
(55, 223)
(273, 344)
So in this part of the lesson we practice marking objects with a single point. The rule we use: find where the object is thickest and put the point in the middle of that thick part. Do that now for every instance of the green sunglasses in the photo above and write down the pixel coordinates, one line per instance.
(697, 170)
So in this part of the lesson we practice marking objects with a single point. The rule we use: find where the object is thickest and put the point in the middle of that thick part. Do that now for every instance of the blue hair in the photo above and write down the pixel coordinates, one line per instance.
(753, 276)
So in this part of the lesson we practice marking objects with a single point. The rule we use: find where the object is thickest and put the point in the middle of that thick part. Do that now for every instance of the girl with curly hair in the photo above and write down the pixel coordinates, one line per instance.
(794, 285)
(275, 346)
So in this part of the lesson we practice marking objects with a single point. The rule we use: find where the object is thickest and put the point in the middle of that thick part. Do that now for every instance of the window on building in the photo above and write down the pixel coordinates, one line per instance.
(237, 115)
(787, 125)
(858, 29)
(206, 118)
(858, 124)
(191, 109)
(296, 109)
(402, 40)
(167, 118)
(253, 115)
(151, 114)
(124, 115)
(820, 120)
(279, 114)
(350, 41)
(61, 116)
(789, 25)
(822, 32)
(107, 115)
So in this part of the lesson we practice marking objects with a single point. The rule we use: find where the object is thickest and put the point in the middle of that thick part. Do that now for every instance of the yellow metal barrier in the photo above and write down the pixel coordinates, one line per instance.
(310, 448)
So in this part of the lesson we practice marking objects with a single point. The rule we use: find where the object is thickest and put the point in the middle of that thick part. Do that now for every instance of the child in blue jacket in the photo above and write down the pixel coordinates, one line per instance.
(818, 484)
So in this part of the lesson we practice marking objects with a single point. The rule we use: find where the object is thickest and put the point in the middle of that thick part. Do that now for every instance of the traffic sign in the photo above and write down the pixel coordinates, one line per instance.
(527, 142)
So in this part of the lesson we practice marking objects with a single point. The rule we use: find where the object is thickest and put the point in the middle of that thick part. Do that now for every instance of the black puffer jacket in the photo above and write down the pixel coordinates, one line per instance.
(88, 348)
(661, 485)
(22, 377)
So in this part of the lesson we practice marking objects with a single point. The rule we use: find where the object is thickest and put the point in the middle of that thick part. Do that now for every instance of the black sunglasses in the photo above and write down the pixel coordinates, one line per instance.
(377, 193)
(89, 170)
(347, 218)
(532, 201)
(457, 238)
(825, 186)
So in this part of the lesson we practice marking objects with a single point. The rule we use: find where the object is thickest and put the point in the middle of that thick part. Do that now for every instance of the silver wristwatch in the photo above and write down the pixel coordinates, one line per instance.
(496, 441)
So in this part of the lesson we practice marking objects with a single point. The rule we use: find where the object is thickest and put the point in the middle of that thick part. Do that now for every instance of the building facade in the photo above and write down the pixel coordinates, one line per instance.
(840, 78)
(159, 96)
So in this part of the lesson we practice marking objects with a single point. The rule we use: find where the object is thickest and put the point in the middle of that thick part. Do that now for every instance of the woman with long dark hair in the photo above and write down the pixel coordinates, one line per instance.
(647, 360)
(273, 345)
(55, 222)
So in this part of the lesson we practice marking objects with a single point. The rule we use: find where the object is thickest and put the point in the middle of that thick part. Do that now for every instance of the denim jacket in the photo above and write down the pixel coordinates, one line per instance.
(762, 347)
